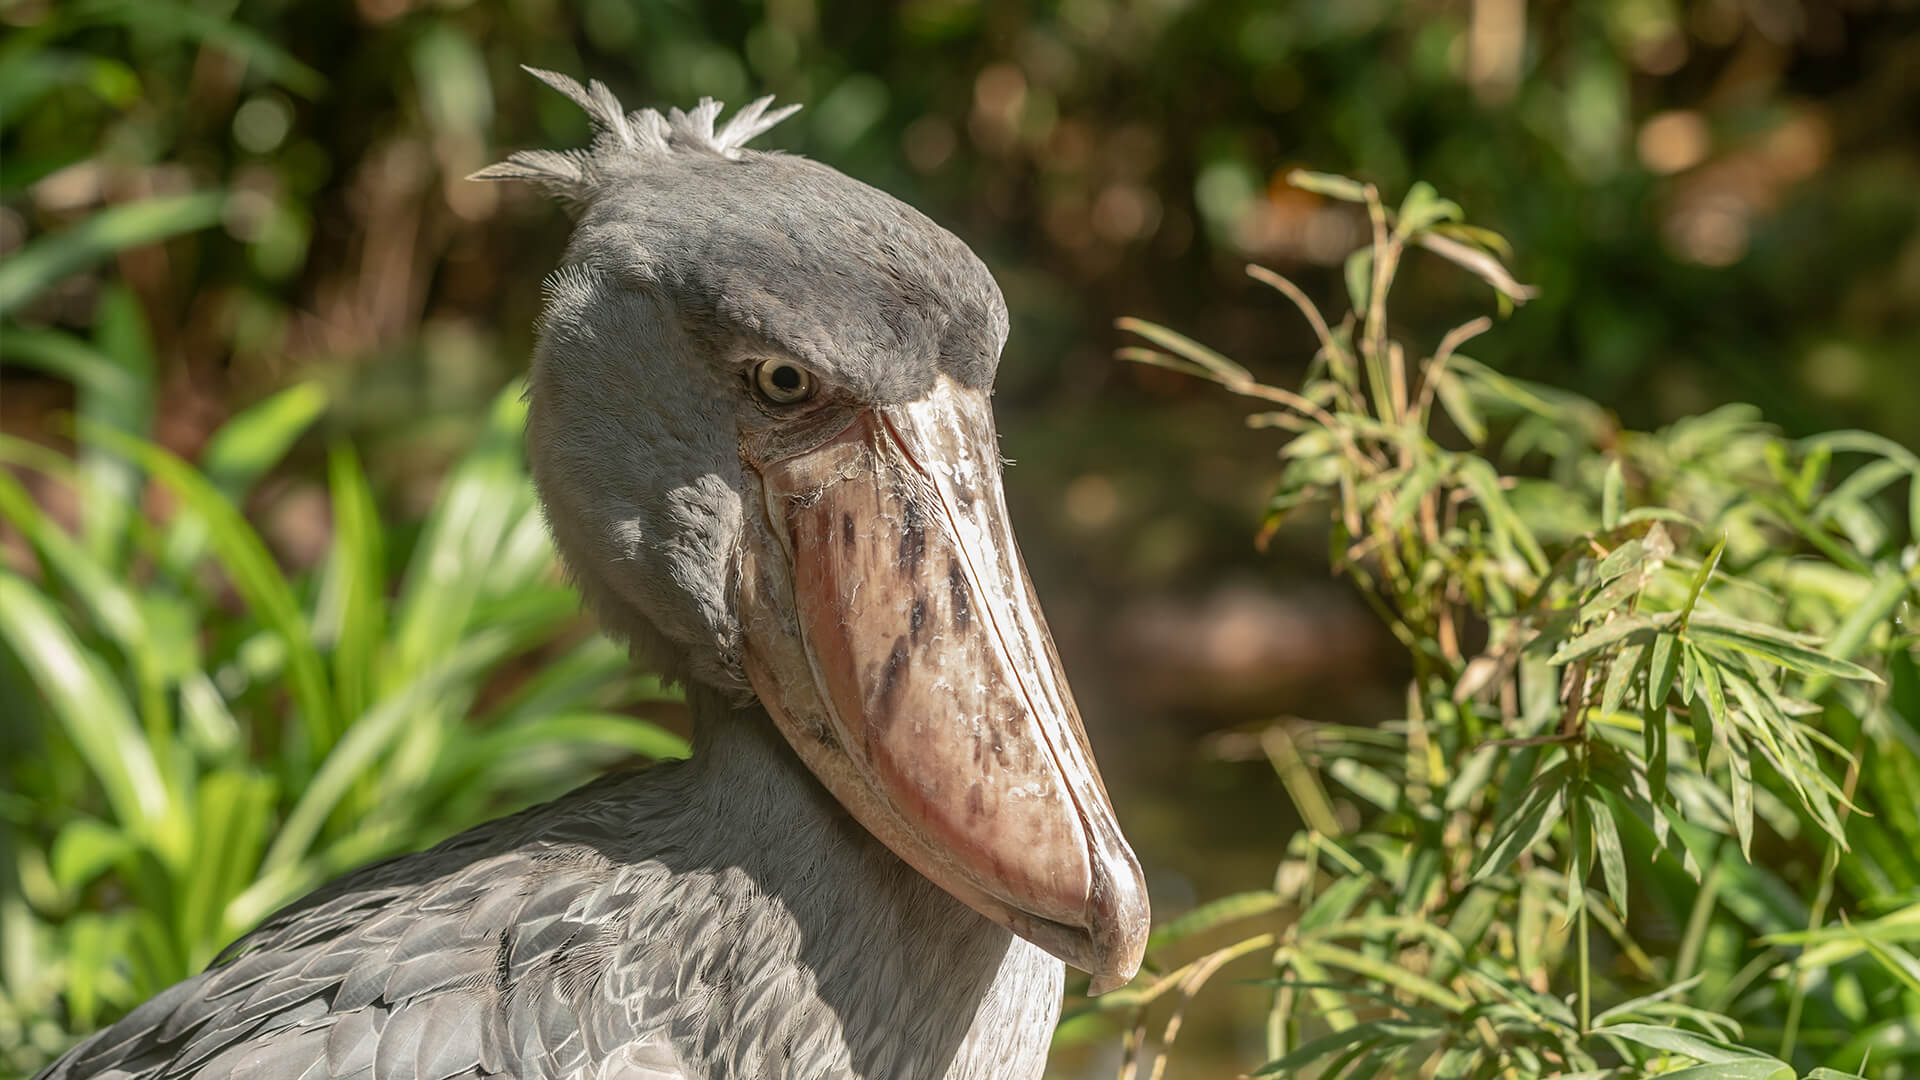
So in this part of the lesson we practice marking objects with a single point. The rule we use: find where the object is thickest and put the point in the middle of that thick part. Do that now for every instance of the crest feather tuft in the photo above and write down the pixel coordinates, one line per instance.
(626, 140)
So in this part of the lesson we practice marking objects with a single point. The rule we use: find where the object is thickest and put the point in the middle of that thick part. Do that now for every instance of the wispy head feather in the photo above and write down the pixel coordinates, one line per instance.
(625, 141)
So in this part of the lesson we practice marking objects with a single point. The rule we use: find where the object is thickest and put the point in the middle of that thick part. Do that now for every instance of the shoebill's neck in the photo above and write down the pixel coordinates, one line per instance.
(870, 956)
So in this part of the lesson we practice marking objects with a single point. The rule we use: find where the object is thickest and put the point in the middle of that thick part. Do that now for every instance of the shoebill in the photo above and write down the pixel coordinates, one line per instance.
(760, 429)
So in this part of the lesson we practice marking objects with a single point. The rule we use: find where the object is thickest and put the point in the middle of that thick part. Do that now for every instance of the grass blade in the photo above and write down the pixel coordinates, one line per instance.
(31, 270)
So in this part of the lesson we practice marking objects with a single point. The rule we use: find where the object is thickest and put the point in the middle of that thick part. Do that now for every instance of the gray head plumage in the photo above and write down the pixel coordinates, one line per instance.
(691, 258)
(625, 141)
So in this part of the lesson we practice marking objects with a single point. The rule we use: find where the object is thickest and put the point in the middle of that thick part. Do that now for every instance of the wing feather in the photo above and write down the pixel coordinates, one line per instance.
(487, 957)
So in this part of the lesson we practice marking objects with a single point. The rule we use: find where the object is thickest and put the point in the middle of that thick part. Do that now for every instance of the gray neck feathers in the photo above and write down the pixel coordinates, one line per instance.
(801, 947)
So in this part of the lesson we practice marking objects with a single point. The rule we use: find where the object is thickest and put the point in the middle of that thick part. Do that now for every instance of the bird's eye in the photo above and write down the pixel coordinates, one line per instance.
(783, 382)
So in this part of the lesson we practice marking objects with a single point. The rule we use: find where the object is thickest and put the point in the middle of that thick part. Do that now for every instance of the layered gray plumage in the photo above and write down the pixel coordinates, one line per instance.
(633, 930)
(729, 917)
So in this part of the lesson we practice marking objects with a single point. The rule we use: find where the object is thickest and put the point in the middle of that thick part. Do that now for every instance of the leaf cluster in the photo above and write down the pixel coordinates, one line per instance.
(1653, 671)
(195, 734)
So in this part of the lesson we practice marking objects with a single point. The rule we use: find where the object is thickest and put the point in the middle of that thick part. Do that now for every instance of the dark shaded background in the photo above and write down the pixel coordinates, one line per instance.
(1717, 198)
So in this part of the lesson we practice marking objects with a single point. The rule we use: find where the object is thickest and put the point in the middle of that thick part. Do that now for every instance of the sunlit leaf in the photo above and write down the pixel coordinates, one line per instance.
(1677, 1041)
(1212, 915)
(83, 697)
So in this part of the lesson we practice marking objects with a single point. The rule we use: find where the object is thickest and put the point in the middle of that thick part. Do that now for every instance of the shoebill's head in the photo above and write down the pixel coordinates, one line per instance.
(760, 426)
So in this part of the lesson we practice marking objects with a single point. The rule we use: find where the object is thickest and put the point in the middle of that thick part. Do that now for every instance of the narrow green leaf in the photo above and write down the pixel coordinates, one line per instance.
(254, 574)
(1414, 487)
(1423, 208)
(1479, 477)
(84, 849)
(1897, 961)
(1616, 630)
(351, 614)
(256, 438)
(91, 708)
(1359, 276)
(1579, 856)
(1864, 442)
(232, 811)
(1627, 558)
(109, 482)
(1328, 184)
(1212, 915)
(1653, 724)
(1324, 1046)
(45, 262)
(240, 453)
(1334, 902)
(1913, 509)
(1613, 859)
(1662, 667)
(1715, 721)
(1742, 790)
(1620, 675)
(1676, 1041)
(73, 359)
(1535, 818)
(460, 544)
(1215, 364)
(171, 19)
(1613, 495)
(1791, 651)
(374, 734)
(1744, 1069)
(1700, 578)
(1459, 406)
(1387, 972)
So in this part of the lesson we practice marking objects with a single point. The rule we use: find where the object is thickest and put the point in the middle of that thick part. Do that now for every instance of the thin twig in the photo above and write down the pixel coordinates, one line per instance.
(1430, 379)
(1190, 986)
(1481, 263)
(1300, 300)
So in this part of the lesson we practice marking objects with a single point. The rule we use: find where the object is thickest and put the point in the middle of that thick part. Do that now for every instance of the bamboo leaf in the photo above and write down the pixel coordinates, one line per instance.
(1613, 860)
(1359, 276)
(1791, 651)
(1386, 972)
(1744, 1069)
(1609, 633)
(1620, 675)
(1212, 915)
(1897, 961)
(1216, 365)
(1315, 1049)
(1328, 184)
(1700, 579)
(1459, 407)
(1613, 495)
(1661, 669)
(1677, 1041)
(1742, 790)
(1334, 902)
(1423, 208)
(1627, 558)
(1480, 478)
(1536, 816)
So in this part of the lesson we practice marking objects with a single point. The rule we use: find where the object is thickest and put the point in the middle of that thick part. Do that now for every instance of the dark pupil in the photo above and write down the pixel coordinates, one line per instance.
(786, 377)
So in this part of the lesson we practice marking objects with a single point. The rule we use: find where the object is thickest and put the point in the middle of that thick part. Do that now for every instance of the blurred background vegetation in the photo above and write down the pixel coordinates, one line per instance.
(236, 232)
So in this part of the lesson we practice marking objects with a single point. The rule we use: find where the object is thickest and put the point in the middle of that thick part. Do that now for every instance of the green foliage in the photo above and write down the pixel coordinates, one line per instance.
(196, 735)
(1660, 740)
(202, 737)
